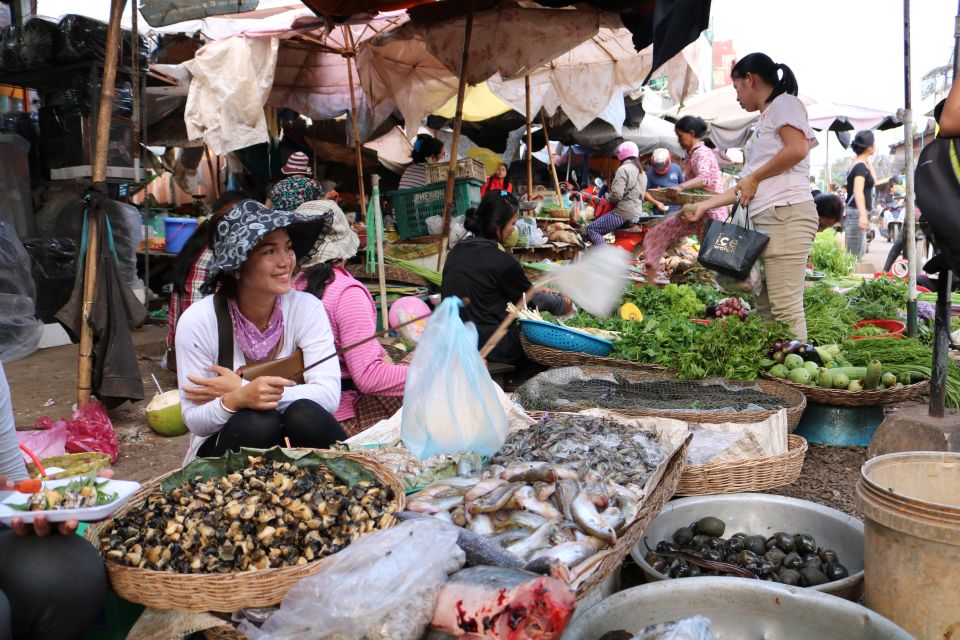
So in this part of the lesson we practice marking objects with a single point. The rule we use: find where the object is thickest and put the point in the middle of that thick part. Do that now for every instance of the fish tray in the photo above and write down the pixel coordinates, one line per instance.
(656, 497)
(739, 476)
(681, 198)
(844, 398)
(795, 400)
(219, 592)
(550, 357)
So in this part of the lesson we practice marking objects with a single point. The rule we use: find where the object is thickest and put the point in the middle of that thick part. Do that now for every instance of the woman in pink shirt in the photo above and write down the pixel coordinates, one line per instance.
(371, 386)
(774, 184)
(701, 171)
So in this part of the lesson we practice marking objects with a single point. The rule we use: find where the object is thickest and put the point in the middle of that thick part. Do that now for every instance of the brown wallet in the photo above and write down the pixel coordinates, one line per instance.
(282, 367)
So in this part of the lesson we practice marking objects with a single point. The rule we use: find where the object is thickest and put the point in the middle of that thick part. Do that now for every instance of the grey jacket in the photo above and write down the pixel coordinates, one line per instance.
(627, 189)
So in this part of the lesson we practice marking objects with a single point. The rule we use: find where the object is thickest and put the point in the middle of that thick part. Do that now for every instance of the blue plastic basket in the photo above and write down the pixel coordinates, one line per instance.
(556, 337)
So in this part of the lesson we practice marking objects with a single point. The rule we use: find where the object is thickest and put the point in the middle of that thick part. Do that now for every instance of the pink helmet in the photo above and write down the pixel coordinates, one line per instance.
(627, 150)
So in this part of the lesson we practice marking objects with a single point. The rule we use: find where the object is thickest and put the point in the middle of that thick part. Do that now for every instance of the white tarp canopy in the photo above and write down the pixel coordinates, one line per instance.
(730, 125)
(589, 81)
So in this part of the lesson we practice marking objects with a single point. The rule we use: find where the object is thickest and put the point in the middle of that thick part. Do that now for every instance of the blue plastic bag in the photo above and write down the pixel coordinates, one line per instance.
(450, 403)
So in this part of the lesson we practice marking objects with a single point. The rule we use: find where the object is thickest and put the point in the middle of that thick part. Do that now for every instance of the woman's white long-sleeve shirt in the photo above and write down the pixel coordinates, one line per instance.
(305, 326)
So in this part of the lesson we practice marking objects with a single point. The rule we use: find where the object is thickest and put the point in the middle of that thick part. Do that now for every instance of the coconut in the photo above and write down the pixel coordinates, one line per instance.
(163, 414)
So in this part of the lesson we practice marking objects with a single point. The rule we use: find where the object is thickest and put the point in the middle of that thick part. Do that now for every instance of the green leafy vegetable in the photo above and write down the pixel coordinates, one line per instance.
(829, 317)
(732, 348)
(878, 299)
(828, 256)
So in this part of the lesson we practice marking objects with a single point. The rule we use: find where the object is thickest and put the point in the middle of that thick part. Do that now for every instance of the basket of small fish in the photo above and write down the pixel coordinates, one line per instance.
(229, 533)
(571, 506)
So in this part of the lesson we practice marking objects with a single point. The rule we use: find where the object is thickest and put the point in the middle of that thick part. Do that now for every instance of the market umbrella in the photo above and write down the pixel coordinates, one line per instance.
(590, 80)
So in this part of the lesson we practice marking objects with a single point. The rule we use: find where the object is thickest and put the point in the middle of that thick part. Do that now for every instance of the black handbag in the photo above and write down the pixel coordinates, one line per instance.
(731, 248)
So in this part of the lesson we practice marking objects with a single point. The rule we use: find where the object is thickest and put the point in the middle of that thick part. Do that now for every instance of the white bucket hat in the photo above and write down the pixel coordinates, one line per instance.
(340, 243)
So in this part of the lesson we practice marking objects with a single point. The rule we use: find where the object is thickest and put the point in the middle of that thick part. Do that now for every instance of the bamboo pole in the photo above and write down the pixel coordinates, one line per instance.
(455, 143)
(553, 167)
(213, 177)
(526, 86)
(910, 226)
(349, 55)
(381, 270)
(135, 85)
(85, 365)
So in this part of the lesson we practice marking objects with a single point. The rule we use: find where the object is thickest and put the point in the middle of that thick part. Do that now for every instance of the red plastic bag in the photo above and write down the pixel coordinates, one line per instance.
(90, 429)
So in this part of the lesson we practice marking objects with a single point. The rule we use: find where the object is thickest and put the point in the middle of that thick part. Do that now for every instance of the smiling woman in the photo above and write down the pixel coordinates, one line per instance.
(256, 317)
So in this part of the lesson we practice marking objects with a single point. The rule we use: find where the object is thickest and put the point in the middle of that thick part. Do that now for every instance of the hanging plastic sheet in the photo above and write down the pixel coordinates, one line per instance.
(19, 329)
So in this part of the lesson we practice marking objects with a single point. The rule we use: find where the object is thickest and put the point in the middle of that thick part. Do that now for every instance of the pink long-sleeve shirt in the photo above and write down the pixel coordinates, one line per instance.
(353, 317)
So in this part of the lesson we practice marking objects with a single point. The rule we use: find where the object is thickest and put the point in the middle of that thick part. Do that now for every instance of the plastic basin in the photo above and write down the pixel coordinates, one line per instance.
(893, 328)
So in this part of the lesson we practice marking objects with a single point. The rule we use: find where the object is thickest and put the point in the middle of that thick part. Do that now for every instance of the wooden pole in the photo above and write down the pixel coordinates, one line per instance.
(349, 54)
(213, 177)
(526, 85)
(381, 270)
(553, 167)
(85, 365)
(135, 85)
(910, 226)
(455, 143)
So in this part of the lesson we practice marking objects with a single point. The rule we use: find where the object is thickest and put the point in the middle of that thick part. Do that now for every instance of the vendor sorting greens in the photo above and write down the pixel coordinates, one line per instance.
(371, 386)
(52, 582)
(775, 184)
(257, 318)
(625, 197)
(479, 270)
(703, 172)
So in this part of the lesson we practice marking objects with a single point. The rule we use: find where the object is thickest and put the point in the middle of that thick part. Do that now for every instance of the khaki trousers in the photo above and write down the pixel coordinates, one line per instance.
(791, 230)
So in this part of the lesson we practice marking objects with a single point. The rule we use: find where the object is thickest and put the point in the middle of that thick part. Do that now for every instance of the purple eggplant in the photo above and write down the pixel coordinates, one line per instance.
(778, 357)
(792, 347)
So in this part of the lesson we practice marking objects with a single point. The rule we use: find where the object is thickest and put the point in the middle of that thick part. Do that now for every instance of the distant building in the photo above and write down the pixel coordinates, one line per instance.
(723, 58)
(920, 140)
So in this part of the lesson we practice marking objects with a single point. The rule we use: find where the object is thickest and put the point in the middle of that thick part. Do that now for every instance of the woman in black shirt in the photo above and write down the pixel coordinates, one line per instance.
(860, 181)
(479, 269)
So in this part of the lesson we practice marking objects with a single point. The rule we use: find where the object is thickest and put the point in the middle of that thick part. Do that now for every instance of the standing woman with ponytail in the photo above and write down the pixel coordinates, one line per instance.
(860, 181)
(774, 184)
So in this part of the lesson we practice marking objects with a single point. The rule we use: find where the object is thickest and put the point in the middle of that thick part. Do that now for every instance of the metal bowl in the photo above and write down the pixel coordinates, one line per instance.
(737, 609)
(764, 514)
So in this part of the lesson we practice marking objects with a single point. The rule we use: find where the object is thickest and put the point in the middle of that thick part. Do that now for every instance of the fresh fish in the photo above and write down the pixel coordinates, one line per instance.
(626, 500)
(524, 499)
(442, 515)
(567, 490)
(452, 492)
(482, 488)
(481, 524)
(585, 514)
(434, 505)
(587, 568)
(495, 500)
(493, 471)
(539, 473)
(613, 517)
(571, 553)
(446, 484)
(521, 468)
(459, 515)
(518, 518)
(509, 536)
(479, 550)
(539, 539)
(544, 490)
(545, 566)
(494, 603)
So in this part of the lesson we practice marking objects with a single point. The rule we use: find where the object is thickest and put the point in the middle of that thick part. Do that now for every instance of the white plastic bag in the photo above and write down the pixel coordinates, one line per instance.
(450, 403)
(752, 285)
(695, 628)
(382, 586)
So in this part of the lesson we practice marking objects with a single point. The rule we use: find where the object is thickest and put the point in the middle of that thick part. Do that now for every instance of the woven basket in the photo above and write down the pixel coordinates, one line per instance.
(843, 398)
(755, 474)
(466, 168)
(796, 402)
(221, 592)
(557, 358)
(73, 464)
(656, 497)
(391, 274)
(681, 198)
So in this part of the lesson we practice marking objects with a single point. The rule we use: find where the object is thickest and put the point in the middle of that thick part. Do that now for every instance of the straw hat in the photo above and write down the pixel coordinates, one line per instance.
(298, 162)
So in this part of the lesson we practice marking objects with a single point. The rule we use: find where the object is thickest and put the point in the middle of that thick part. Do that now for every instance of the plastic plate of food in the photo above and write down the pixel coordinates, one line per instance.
(86, 499)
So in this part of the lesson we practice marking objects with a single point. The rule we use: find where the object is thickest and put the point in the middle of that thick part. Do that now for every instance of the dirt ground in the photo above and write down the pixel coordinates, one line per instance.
(44, 384)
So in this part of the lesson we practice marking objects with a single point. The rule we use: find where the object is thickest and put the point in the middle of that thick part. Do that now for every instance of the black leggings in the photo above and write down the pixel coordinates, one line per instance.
(51, 588)
(305, 423)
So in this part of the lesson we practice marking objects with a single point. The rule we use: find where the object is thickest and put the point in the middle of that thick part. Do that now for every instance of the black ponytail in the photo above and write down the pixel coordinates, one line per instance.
(777, 75)
(496, 209)
(692, 124)
(318, 277)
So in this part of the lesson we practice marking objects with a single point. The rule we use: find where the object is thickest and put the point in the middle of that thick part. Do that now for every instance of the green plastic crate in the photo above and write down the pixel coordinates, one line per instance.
(412, 207)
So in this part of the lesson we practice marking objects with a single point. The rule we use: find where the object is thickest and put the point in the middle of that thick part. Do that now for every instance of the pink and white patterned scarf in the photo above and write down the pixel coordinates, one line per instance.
(255, 344)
